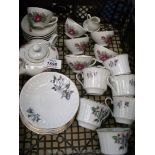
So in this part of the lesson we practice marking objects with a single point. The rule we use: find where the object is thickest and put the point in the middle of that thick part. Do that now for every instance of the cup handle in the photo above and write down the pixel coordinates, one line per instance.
(93, 62)
(108, 98)
(88, 16)
(86, 35)
(109, 84)
(53, 22)
(99, 66)
(106, 115)
(53, 39)
(77, 77)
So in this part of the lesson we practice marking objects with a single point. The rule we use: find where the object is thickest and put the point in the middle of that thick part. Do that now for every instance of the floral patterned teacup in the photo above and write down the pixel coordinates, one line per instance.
(114, 141)
(123, 109)
(122, 85)
(40, 18)
(91, 113)
(103, 38)
(77, 45)
(118, 64)
(94, 80)
(102, 53)
(73, 29)
(78, 62)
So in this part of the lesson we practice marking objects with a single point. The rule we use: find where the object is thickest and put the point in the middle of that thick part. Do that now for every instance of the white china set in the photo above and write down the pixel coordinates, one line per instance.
(49, 101)
(114, 73)
(39, 23)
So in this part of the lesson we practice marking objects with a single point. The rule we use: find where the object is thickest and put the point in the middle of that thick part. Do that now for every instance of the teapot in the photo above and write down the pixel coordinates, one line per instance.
(33, 55)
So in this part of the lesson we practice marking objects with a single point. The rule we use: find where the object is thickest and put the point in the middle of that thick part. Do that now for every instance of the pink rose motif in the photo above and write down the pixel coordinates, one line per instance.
(79, 66)
(81, 46)
(37, 18)
(103, 56)
(71, 31)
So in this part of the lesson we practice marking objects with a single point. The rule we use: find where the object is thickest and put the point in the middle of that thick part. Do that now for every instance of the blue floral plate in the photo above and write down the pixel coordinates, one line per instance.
(49, 100)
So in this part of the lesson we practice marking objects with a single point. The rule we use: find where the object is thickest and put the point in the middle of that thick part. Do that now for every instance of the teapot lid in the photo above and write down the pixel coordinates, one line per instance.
(37, 52)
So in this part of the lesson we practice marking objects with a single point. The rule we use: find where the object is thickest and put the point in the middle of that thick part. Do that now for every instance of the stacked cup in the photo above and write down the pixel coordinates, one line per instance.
(39, 23)
(114, 141)
(77, 44)
(122, 83)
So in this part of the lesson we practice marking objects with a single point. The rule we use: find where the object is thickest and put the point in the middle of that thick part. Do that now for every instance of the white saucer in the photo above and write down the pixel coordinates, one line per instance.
(49, 100)
(85, 25)
(35, 32)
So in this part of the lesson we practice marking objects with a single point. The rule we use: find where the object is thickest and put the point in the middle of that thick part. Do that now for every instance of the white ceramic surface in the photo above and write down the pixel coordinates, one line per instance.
(33, 59)
(77, 45)
(35, 32)
(40, 17)
(73, 29)
(49, 100)
(103, 38)
(94, 80)
(118, 65)
(91, 113)
(122, 85)
(102, 53)
(78, 62)
(114, 141)
(123, 109)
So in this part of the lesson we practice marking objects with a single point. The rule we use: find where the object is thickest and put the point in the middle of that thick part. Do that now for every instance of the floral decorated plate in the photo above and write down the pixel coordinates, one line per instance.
(35, 32)
(45, 131)
(49, 100)
(29, 37)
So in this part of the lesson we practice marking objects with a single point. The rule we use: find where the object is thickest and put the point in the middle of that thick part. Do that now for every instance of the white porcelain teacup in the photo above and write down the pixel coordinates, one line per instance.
(91, 113)
(78, 62)
(40, 17)
(94, 80)
(93, 23)
(123, 109)
(73, 29)
(103, 38)
(102, 53)
(118, 64)
(122, 85)
(114, 141)
(77, 45)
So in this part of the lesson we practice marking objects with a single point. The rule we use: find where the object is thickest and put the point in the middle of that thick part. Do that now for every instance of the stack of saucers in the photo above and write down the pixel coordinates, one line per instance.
(48, 103)
(39, 23)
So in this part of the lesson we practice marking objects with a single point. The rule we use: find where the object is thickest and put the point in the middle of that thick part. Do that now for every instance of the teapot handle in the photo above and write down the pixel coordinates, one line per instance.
(22, 69)
(53, 39)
